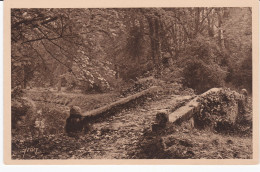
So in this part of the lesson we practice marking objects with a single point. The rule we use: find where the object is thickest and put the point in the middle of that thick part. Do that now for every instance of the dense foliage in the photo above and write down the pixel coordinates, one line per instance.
(100, 49)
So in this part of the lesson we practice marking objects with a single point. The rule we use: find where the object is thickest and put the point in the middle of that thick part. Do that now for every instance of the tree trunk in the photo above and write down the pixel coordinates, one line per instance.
(151, 31)
(197, 22)
(158, 45)
(220, 31)
(210, 26)
(154, 27)
(59, 84)
(122, 102)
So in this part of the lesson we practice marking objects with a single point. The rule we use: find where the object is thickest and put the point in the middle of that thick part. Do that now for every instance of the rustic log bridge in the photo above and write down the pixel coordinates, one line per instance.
(78, 121)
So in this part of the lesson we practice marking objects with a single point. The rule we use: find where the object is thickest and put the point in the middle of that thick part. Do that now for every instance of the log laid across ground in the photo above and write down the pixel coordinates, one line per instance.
(120, 102)
(78, 121)
(187, 111)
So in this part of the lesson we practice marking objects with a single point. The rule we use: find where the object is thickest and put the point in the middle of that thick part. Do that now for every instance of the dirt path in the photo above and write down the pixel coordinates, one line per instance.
(117, 137)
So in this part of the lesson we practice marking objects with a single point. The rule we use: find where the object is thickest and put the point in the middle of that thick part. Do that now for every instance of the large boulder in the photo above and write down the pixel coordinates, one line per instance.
(220, 110)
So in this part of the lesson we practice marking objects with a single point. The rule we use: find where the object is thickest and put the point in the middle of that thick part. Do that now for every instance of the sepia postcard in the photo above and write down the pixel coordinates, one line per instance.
(131, 82)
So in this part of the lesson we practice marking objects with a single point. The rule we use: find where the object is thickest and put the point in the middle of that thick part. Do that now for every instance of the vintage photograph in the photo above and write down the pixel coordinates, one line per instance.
(131, 83)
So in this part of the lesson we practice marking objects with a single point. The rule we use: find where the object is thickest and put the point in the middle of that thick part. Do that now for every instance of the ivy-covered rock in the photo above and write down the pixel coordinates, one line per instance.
(220, 110)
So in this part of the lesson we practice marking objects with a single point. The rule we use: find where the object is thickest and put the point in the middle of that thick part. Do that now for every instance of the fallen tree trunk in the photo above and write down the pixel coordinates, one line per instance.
(120, 102)
(187, 111)
(77, 121)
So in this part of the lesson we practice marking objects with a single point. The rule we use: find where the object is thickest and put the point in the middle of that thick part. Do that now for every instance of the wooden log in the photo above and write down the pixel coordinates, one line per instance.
(78, 122)
(118, 103)
(186, 112)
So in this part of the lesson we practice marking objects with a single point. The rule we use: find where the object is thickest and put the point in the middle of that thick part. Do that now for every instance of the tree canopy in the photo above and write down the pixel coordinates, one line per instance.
(99, 47)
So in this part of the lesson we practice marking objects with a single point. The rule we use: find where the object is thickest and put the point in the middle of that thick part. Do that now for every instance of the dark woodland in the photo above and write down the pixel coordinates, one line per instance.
(131, 83)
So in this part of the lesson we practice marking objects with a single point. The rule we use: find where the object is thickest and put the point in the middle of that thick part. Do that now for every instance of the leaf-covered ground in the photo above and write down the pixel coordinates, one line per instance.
(128, 135)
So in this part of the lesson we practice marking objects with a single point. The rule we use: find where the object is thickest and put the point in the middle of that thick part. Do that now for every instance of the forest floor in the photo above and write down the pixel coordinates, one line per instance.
(127, 135)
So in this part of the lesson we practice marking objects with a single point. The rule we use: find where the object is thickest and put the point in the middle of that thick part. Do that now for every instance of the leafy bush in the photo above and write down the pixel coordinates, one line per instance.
(201, 76)
(203, 64)
(173, 74)
(240, 75)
